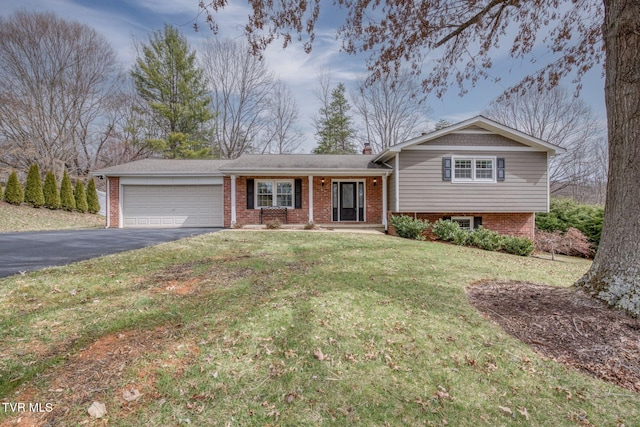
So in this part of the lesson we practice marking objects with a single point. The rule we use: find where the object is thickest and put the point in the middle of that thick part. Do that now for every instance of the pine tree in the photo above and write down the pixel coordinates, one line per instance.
(167, 77)
(51, 194)
(33, 194)
(93, 204)
(334, 130)
(13, 193)
(81, 197)
(67, 201)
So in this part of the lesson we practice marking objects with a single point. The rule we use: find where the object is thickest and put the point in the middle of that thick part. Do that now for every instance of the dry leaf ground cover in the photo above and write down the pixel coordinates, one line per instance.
(287, 328)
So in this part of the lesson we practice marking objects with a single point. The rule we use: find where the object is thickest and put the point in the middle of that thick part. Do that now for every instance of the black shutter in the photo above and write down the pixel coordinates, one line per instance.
(446, 168)
(250, 188)
(446, 218)
(477, 222)
(501, 169)
(298, 194)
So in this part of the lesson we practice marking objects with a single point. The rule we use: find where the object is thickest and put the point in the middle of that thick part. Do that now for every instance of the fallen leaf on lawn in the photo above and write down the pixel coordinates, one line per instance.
(130, 394)
(318, 355)
(506, 410)
(523, 411)
(97, 410)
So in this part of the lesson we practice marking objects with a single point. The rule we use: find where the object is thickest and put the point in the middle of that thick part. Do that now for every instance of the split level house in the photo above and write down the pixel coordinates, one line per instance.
(476, 172)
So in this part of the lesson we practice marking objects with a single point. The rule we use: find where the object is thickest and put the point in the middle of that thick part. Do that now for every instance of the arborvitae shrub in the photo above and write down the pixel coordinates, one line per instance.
(51, 194)
(93, 204)
(33, 194)
(13, 193)
(67, 201)
(81, 197)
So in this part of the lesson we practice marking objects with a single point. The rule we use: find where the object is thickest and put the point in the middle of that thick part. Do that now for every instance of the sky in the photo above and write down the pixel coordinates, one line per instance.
(123, 21)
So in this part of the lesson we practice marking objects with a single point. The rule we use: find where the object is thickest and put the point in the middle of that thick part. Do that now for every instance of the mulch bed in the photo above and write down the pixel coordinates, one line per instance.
(565, 325)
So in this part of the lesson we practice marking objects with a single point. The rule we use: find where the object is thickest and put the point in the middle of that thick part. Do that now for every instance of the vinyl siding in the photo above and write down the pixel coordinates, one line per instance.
(473, 140)
(422, 188)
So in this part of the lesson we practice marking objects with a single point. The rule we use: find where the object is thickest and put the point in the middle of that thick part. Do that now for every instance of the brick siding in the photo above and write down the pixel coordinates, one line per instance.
(114, 202)
(322, 208)
(510, 224)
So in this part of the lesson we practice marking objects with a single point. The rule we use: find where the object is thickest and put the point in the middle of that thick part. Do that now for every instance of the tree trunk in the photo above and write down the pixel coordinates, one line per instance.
(614, 276)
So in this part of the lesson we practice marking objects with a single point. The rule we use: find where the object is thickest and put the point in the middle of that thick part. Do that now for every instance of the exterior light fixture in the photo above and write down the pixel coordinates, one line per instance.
(322, 182)
(375, 181)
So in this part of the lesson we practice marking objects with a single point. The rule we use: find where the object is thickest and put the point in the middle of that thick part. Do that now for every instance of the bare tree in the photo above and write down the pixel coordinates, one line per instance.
(281, 132)
(57, 79)
(241, 88)
(562, 119)
(393, 110)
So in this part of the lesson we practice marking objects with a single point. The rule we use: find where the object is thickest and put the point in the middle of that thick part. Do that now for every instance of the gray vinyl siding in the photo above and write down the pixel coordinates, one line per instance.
(423, 190)
(474, 140)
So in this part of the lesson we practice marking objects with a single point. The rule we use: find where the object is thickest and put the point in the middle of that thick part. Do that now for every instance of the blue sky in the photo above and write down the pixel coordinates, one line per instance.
(120, 21)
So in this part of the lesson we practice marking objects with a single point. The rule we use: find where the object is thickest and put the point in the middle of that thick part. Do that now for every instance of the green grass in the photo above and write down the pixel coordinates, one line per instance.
(290, 328)
(26, 218)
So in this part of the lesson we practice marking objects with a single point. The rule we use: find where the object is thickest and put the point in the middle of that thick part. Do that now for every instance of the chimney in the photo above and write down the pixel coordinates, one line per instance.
(367, 149)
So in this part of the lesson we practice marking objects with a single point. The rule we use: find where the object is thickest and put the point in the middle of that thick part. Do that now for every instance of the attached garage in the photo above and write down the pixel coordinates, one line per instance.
(172, 206)
(163, 193)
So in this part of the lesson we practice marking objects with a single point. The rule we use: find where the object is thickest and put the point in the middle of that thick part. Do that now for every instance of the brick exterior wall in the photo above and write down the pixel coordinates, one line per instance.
(510, 224)
(322, 207)
(114, 202)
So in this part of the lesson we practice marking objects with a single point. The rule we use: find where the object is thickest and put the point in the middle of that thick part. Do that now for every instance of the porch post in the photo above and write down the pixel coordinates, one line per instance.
(233, 200)
(384, 202)
(396, 175)
(311, 199)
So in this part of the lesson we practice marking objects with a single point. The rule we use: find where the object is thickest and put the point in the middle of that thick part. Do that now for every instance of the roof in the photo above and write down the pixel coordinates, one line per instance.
(482, 123)
(167, 167)
(290, 164)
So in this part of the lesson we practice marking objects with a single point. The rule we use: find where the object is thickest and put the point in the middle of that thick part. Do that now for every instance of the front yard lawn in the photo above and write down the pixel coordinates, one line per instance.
(287, 328)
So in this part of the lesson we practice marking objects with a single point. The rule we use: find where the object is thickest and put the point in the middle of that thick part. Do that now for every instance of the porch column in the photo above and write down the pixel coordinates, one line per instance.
(310, 199)
(233, 200)
(384, 202)
(396, 175)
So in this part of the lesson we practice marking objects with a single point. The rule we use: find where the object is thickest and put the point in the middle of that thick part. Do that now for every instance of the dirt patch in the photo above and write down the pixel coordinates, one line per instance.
(566, 325)
(97, 372)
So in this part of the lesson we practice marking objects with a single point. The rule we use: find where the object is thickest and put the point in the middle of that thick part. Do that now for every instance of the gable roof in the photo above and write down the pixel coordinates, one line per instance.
(166, 167)
(303, 164)
(475, 124)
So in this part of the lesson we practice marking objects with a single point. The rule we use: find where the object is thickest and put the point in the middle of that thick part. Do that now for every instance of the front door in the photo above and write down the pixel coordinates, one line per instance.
(348, 196)
(348, 201)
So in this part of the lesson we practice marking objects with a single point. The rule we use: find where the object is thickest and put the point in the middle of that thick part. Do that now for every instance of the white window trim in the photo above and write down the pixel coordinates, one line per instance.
(473, 169)
(274, 185)
(458, 218)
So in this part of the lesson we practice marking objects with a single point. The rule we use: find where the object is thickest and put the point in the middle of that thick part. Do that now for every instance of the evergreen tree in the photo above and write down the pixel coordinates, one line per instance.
(167, 78)
(33, 194)
(67, 201)
(13, 193)
(334, 130)
(81, 197)
(93, 204)
(51, 194)
(0, 191)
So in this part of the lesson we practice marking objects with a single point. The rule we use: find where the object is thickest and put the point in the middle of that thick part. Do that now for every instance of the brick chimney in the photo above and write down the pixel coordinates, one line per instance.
(367, 149)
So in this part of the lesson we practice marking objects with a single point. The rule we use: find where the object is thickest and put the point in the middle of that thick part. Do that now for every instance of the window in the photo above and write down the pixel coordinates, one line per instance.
(274, 193)
(466, 222)
(474, 169)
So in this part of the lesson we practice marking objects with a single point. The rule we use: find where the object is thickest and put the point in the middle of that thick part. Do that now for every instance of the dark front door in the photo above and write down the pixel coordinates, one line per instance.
(348, 197)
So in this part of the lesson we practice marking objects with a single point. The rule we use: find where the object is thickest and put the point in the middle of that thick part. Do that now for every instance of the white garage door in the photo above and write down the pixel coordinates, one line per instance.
(172, 206)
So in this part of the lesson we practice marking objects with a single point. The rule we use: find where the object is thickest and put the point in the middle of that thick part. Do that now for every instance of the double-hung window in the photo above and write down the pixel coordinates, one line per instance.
(274, 193)
(474, 169)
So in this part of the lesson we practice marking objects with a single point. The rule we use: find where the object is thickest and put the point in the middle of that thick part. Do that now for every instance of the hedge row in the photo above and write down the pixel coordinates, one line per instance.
(36, 195)
(566, 213)
(450, 231)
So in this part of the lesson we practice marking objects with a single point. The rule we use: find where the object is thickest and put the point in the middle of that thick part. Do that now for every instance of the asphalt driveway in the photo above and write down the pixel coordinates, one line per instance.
(29, 251)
